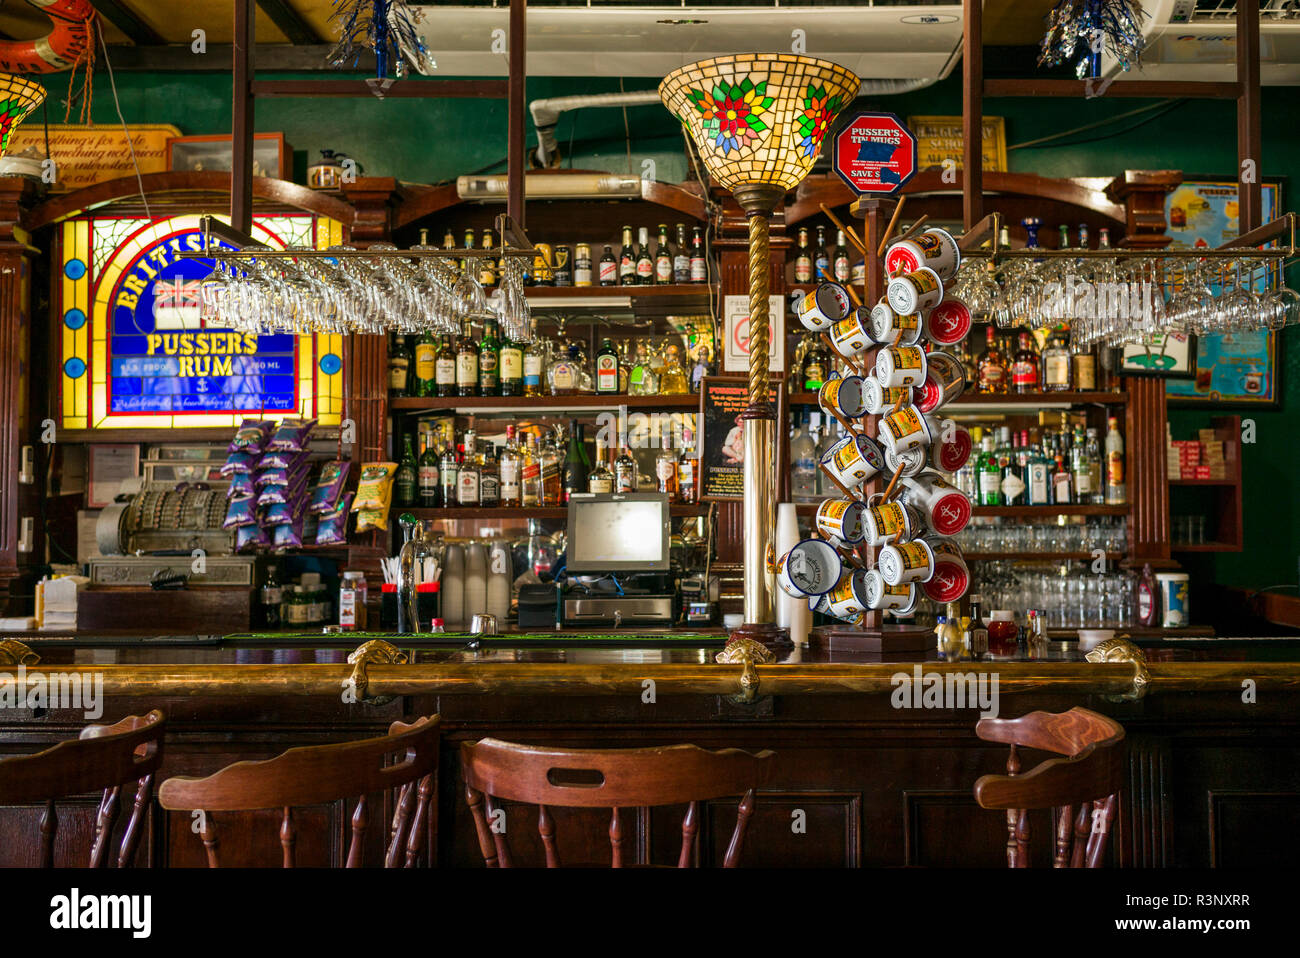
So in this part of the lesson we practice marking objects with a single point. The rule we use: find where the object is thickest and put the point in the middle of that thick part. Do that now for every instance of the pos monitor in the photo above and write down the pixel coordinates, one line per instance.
(618, 532)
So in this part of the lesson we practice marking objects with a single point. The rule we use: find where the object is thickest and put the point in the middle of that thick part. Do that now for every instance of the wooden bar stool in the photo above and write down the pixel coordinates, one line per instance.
(320, 774)
(103, 758)
(1082, 787)
(606, 778)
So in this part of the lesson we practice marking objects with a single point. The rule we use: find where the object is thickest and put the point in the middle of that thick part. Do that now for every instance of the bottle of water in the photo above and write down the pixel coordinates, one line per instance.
(803, 464)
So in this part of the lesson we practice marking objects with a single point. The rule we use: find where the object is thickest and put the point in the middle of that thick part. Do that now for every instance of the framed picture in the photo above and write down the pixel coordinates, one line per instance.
(720, 439)
(272, 156)
(1172, 355)
(1230, 369)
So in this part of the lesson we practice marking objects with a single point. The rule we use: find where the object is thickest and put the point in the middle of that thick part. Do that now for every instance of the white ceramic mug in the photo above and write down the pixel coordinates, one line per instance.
(944, 507)
(852, 335)
(853, 460)
(899, 600)
(886, 522)
(890, 328)
(911, 561)
(842, 394)
(811, 568)
(879, 399)
(824, 306)
(907, 427)
(949, 322)
(951, 576)
(914, 292)
(848, 599)
(901, 366)
(935, 248)
(945, 381)
(840, 521)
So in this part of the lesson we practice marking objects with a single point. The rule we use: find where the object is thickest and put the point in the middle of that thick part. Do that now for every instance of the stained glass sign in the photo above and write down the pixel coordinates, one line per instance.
(138, 354)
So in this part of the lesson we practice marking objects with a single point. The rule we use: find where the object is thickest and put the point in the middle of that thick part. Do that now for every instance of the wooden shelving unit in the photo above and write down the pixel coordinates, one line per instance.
(544, 403)
(532, 512)
(1000, 556)
(691, 291)
(1222, 499)
(1047, 511)
(1008, 399)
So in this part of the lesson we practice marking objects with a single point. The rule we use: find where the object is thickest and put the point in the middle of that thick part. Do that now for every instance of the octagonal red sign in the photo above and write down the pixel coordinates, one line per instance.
(874, 153)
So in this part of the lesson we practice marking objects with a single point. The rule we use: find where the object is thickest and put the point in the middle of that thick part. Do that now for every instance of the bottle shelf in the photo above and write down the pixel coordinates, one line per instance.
(1204, 547)
(1205, 482)
(532, 512)
(1008, 402)
(593, 296)
(1001, 556)
(1063, 510)
(483, 404)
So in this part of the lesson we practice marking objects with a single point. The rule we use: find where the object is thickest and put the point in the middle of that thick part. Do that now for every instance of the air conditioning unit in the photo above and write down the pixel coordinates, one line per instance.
(1197, 40)
(876, 40)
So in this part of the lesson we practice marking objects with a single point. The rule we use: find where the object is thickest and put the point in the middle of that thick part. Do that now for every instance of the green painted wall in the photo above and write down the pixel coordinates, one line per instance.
(434, 141)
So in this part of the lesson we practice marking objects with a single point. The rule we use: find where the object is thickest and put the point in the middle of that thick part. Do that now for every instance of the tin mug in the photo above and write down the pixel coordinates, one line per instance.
(888, 522)
(951, 576)
(944, 507)
(899, 600)
(853, 460)
(852, 335)
(914, 292)
(949, 322)
(823, 307)
(848, 599)
(907, 427)
(811, 568)
(901, 366)
(842, 394)
(935, 249)
(879, 399)
(840, 520)
(914, 460)
(890, 328)
(945, 380)
(901, 562)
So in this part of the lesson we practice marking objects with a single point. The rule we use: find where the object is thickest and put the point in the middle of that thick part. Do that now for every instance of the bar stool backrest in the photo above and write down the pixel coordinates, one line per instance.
(102, 759)
(320, 774)
(1082, 786)
(606, 778)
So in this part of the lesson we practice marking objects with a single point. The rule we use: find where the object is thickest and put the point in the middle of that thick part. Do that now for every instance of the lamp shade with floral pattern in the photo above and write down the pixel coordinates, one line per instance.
(18, 97)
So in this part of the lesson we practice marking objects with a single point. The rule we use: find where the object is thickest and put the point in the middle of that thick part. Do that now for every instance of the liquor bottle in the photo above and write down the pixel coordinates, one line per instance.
(1116, 490)
(627, 260)
(840, 259)
(530, 474)
(608, 270)
(425, 369)
(489, 361)
(489, 482)
(1081, 468)
(673, 380)
(625, 478)
(666, 469)
(563, 272)
(814, 368)
(535, 364)
(512, 367)
(645, 264)
(508, 470)
(990, 476)
(1024, 366)
(663, 258)
(487, 272)
(624, 366)
(467, 481)
(1095, 483)
(992, 370)
(272, 599)
(1083, 236)
(607, 368)
(643, 380)
(687, 473)
(551, 480)
(682, 258)
(1039, 480)
(821, 260)
(803, 260)
(1103, 238)
(1062, 491)
(577, 469)
(445, 368)
(466, 362)
(406, 478)
(449, 476)
(1013, 468)
(582, 273)
(562, 376)
(601, 479)
(1148, 598)
(399, 366)
(1056, 363)
(449, 240)
(699, 265)
(1084, 364)
(428, 477)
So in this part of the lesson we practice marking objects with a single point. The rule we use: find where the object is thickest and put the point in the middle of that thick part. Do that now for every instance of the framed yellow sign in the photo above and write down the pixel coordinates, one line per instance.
(86, 155)
(939, 138)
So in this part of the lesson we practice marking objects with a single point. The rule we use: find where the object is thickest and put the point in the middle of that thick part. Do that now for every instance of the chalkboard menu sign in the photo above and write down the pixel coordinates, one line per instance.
(721, 441)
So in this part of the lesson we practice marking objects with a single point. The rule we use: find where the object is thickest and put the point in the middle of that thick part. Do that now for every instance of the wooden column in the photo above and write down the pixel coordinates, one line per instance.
(1249, 161)
(515, 199)
(1148, 482)
(15, 273)
(1142, 194)
(972, 112)
(241, 126)
(374, 198)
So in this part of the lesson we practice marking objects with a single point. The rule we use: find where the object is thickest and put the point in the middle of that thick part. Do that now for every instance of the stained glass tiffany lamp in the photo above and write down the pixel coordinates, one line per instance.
(758, 120)
(18, 97)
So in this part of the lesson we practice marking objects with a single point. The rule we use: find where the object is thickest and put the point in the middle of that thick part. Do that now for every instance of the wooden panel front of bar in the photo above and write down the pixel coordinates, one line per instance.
(1212, 781)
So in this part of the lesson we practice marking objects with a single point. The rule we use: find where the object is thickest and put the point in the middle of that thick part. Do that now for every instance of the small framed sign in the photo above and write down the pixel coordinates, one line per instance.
(1172, 355)
(721, 439)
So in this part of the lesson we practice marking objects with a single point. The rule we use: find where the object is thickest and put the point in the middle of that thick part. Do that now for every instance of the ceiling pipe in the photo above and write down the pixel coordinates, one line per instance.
(547, 112)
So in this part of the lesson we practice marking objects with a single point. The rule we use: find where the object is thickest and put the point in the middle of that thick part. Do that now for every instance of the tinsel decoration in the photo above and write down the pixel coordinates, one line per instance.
(385, 27)
(1083, 27)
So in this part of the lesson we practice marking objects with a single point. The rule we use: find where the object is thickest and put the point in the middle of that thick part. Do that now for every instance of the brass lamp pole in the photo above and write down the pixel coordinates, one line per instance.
(758, 121)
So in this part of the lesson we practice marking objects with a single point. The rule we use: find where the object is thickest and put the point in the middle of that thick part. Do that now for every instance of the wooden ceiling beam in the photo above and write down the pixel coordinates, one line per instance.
(126, 20)
(271, 57)
(290, 22)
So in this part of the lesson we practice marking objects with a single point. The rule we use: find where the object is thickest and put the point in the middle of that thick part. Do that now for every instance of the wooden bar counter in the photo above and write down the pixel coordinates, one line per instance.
(867, 774)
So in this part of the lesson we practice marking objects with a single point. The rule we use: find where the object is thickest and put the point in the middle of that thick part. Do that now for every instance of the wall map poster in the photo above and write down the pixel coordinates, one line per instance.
(1237, 367)
(722, 438)
(137, 353)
